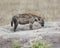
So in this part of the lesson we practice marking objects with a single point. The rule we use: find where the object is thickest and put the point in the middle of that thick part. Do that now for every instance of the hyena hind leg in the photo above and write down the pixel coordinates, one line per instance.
(15, 26)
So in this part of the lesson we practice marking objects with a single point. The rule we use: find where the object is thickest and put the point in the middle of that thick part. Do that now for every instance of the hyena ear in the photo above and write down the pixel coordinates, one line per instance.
(36, 19)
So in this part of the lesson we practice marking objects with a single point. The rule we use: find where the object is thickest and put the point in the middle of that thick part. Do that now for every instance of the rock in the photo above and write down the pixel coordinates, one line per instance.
(27, 37)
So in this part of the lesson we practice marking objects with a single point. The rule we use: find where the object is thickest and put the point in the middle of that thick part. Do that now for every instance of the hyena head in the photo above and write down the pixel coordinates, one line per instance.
(41, 21)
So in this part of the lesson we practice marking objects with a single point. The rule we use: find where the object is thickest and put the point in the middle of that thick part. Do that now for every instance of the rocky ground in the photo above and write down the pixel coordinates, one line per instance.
(23, 36)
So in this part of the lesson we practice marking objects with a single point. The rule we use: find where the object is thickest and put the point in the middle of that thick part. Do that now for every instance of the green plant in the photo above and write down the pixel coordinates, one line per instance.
(15, 44)
(40, 44)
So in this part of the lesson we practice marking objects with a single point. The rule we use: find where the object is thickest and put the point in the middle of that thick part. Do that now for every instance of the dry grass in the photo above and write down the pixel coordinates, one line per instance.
(49, 9)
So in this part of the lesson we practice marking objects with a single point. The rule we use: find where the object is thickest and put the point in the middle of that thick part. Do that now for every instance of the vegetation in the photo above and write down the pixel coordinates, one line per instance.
(47, 8)
(15, 44)
(39, 44)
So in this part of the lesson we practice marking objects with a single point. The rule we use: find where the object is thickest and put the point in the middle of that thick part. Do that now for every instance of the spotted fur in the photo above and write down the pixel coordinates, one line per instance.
(26, 19)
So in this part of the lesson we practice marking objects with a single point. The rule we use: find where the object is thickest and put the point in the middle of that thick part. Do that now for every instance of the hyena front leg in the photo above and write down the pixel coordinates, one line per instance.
(15, 26)
(31, 26)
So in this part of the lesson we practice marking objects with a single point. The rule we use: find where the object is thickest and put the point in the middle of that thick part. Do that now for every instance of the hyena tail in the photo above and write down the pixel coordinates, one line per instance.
(12, 22)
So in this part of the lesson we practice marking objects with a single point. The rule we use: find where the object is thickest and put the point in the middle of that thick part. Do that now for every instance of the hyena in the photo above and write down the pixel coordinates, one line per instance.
(26, 19)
